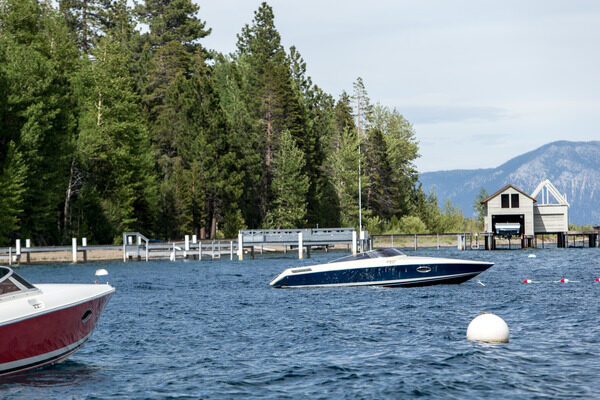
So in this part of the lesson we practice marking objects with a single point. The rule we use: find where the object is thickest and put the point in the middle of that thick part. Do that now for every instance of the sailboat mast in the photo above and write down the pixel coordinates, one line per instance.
(359, 174)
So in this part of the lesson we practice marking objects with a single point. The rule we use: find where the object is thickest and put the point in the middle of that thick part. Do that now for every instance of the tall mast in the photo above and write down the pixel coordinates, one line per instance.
(359, 174)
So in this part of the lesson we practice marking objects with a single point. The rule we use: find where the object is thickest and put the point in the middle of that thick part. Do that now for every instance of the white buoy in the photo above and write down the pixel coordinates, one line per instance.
(532, 256)
(101, 272)
(488, 328)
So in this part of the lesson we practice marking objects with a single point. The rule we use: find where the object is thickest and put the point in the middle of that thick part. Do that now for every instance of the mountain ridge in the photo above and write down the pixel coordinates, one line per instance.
(573, 167)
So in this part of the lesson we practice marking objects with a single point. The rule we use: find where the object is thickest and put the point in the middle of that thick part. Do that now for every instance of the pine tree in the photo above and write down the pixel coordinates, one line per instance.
(268, 89)
(382, 187)
(343, 164)
(290, 185)
(402, 151)
(173, 20)
(12, 181)
(37, 61)
(114, 147)
(228, 77)
(87, 19)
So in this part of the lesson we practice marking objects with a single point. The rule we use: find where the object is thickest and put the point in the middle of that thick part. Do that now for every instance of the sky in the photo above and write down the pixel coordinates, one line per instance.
(481, 81)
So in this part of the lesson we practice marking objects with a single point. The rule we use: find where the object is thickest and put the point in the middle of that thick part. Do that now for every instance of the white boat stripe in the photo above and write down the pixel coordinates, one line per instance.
(395, 281)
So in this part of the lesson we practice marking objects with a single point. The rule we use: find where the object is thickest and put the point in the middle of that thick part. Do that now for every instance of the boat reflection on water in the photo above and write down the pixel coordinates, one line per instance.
(387, 267)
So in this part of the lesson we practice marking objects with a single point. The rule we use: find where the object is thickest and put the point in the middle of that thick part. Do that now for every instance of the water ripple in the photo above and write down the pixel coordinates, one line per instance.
(189, 330)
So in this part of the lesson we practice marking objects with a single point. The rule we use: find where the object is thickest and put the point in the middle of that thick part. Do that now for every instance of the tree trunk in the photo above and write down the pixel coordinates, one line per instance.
(213, 224)
(67, 207)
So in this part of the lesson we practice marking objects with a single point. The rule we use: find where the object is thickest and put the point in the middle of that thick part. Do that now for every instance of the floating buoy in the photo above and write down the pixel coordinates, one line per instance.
(532, 256)
(527, 281)
(488, 327)
(564, 280)
(101, 272)
(597, 279)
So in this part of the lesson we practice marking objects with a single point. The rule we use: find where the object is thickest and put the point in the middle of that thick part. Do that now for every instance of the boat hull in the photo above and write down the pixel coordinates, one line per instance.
(401, 275)
(49, 336)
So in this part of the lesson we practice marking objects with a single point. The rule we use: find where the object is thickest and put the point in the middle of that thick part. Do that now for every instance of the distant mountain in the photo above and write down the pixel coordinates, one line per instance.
(573, 167)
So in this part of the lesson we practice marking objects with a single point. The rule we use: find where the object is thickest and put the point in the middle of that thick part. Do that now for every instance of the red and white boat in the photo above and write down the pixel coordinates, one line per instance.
(45, 323)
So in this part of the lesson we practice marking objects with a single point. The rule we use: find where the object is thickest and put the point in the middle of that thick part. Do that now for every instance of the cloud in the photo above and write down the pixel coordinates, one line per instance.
(448, 113)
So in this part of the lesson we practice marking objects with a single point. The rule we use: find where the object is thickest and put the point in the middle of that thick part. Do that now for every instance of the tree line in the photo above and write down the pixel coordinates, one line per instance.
(116, 118)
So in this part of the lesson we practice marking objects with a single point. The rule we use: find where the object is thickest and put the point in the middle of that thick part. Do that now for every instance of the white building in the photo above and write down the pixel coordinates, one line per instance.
(511, 212)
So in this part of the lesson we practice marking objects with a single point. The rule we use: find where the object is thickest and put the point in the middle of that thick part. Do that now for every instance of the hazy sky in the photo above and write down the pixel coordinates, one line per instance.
(481, 81)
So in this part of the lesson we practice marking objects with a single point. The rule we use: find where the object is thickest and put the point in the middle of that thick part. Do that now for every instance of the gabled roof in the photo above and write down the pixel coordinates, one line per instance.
(503, 189)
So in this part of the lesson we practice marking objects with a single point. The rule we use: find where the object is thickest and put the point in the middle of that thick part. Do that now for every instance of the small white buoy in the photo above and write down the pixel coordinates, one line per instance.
(527, 281)
(101, 272)
(532, 256)
(488, 327)
(564, 280)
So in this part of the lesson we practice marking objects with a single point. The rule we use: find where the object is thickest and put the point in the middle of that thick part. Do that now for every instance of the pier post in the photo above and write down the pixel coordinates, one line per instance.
(415, 242)
(138, 243)
(74, 245)
(186, 246)
(194, 241)
(240, 249)
(308, 251)
(27, 246)
(353, 243)
(84, 245)
(199, 250)
(18, 251)
(392, 240)
(10, 256)
(438, 240)
(212, 250)
(231, 250)
(300, 251)
(129, 243)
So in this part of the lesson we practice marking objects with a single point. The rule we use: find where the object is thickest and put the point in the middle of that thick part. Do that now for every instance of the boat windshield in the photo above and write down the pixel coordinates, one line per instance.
(10, 282)
(379, 253)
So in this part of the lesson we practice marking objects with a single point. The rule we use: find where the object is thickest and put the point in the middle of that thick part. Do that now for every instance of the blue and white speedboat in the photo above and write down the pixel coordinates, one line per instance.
(382, 267)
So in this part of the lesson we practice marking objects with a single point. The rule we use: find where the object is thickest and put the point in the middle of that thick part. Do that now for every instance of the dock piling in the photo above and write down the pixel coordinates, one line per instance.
(74, 244)
(27, 246)
(300, 252)
(18, 251)
(84, 245)
(186, 246)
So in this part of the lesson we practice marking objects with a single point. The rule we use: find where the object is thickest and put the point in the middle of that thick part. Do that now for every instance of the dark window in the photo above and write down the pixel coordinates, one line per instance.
(514, 200)
(22, 281)
(504, 199)
(7, 286)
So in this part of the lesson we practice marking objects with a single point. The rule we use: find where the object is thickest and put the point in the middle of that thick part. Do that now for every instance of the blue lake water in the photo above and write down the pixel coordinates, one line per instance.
(217, 330)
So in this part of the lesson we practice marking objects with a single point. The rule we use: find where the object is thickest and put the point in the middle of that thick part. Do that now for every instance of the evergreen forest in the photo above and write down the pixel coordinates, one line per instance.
(116, 118)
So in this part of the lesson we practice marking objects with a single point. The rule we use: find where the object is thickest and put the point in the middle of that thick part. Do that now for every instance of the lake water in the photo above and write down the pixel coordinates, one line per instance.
(217, 330)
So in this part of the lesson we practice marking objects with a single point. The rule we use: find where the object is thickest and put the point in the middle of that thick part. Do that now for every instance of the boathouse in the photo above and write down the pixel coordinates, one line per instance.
(510, 212)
